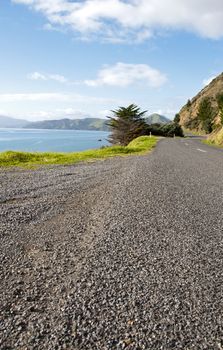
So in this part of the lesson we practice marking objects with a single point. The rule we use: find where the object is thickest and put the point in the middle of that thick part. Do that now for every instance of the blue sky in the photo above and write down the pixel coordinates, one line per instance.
(63, 58)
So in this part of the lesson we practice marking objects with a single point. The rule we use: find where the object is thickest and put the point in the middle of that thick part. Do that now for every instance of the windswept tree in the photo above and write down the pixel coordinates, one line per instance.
(126, 124)
(176, 118)
(206, 114)
(188, 104)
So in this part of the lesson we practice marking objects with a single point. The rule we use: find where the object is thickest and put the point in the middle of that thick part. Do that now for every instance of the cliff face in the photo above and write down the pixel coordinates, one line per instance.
(188, 113)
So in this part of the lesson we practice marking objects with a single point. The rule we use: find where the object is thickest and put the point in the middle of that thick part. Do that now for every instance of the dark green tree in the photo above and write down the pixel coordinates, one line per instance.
(127, 124)
(188, 104)
(176, 118)
(206, 114)
(192, 123)
(220, 106)
(165, 130)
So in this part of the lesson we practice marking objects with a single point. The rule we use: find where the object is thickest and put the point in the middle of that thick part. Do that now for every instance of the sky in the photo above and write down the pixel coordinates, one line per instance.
(72, 58)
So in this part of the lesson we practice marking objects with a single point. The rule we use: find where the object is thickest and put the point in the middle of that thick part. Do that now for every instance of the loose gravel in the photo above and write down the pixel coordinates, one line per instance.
(125, 253)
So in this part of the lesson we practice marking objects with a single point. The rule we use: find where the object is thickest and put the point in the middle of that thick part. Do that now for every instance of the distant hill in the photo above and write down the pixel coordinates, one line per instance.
(156, 118)
(70, 124)
(8, 122)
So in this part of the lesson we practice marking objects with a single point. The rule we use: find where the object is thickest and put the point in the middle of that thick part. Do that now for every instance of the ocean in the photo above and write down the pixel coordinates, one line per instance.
(32, 140)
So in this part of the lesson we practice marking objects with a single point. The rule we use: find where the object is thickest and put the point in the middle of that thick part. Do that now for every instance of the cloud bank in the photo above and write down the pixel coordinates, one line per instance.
(53, 97)
(120, 75)
(123, 75)
(47, 77)
(119, 20)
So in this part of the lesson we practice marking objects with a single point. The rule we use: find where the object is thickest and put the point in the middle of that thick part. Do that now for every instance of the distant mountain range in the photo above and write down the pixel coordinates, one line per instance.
(62, 124)
(156, 118)
(96, 124)
(7, 122)
(70, 124)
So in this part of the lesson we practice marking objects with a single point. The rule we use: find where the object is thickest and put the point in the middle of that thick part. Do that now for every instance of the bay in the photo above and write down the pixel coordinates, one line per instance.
(35, 140)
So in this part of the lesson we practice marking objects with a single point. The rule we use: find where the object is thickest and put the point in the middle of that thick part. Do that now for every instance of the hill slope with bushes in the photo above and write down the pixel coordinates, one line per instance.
(70, 124)
(189, 113)
(204, 112)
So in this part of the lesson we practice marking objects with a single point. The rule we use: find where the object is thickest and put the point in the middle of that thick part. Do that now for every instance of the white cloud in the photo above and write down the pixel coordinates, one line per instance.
(123, 74)
(57, 97)
(37, 76)
(58, 113)
(50, 114)
(45, 77)
(167, 112)
(104, 113)
(34, 97)
(120, 74)
(124, 19)
(207, 81)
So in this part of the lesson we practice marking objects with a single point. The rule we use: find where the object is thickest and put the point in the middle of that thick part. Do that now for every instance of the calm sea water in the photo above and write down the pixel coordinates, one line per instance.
(51, 140)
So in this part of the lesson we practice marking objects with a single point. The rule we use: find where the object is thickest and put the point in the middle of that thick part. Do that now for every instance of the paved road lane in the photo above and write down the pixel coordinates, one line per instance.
(121, 254)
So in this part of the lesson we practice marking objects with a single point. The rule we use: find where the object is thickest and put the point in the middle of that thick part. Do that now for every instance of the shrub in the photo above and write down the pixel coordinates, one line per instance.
(206, 114)
(219, 98)
(168, 130)
(176, 118)
(192, 124)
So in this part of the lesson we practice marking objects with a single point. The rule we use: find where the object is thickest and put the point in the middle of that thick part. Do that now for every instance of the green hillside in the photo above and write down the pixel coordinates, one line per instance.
(71, 124)
(8, 122)
(156, 118)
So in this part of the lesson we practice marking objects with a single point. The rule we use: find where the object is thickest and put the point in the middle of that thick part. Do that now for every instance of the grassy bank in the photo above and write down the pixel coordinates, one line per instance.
(194, 132)
(216, 138)
(211, 143)
(141, 145)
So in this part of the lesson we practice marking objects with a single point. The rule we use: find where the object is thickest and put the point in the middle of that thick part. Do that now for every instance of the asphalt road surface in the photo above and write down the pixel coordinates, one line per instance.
(125, 253)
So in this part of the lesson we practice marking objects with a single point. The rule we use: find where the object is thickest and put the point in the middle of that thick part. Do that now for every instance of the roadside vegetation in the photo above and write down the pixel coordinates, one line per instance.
(211, 143)
(128, 123)
(204, 119)
(216, 138)
(130, 134)
(139, 146)
(193, 132)
(208, 120)
(209, 116)
(220, 107)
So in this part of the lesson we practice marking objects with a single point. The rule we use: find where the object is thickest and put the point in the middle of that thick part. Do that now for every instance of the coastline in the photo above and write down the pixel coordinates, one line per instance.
(139, 146)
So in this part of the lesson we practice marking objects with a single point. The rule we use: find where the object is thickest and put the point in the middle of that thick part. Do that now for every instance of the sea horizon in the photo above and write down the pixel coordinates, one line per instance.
(51, 140)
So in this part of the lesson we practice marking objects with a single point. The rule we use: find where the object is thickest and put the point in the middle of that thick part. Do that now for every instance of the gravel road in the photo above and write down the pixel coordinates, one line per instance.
(125, 253)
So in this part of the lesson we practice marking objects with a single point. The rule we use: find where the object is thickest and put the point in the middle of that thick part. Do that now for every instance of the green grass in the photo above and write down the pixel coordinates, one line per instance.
(211, 143)
(139, 146)
(194, 132)
(216, 138)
